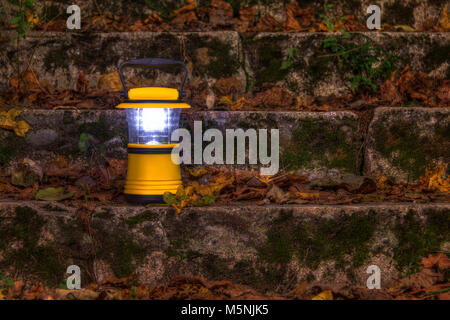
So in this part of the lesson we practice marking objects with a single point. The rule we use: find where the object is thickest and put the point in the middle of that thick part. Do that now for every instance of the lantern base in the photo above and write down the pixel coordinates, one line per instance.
(143, 199)
(151, 173)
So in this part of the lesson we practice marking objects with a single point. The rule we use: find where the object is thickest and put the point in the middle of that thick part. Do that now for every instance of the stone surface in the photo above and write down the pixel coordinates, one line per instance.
(308, 141)
(60, 57)
(313, 72)
(255, 60)
(270, 248)
(402, 142)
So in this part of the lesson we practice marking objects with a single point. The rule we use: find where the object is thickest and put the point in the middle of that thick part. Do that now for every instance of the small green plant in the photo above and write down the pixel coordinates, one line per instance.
(362, 63)
(21, 13)
(329, 20)
(293, 55)
(6, 282)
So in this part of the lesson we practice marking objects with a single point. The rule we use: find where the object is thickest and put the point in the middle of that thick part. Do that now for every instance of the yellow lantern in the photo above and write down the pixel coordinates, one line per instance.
(153, 113)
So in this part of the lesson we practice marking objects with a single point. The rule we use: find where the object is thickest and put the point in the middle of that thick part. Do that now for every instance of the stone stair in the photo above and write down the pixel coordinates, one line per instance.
(272, 247)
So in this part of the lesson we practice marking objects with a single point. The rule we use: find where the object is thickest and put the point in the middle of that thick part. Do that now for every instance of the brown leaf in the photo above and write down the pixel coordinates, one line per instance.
(82, 85)
(185, 18)
(274, 97)
(267, 23)
(110, 82)
(439, 260)
(424, 279)
(220, 13)
(277, 195)
(190, 6)
(291, 23)
(227, 86)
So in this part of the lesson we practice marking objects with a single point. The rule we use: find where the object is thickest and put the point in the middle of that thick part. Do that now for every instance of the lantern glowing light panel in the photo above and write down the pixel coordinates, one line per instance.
(152, 126)
(153, 113)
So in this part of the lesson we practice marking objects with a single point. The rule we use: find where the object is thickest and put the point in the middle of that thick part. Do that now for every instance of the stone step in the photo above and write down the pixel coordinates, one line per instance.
(271, 248)
(413, 13)
(399, 143)
(255, 61)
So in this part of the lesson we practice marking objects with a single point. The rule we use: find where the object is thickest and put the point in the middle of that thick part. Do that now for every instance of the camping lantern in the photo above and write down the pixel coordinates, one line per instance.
(153, 113)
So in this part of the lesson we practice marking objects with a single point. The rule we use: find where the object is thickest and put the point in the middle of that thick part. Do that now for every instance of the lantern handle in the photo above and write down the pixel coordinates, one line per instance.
(152, 62)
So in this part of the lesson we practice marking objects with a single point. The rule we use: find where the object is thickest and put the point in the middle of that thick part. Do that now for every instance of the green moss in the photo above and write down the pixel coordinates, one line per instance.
(87, 43)
(177, 248)
(319, 142)
(141, 217)
(51, 12)
(101, 130)
(437, 55)
(105, 214)
(57, 58)
(7, 152)
(403, 145)
(268, 60)
(30, 259)
(223, 61)
(321, 240)
(122, 253)
(417, 239)
(54, 208)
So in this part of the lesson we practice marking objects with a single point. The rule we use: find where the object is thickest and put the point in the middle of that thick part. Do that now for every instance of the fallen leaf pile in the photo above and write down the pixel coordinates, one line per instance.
(429, 284)
(415, 86)
(29, 92)
(401, 89)
(59, 179)
(223, 185)
(220, 15)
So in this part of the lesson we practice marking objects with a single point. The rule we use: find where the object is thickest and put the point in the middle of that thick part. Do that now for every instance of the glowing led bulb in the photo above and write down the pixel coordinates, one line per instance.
(154, 119)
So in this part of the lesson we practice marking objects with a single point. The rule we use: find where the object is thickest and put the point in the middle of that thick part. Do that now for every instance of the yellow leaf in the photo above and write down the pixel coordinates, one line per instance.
(444, 22)
(324, 295)
(110, 82)
(196, 173)
(2, 297)
(32, 18)
(8, 122)
(226, 100)
(21, 128)
(404, 28)
(305, 195)
(381, 182)
(433, 179)
(239, 104)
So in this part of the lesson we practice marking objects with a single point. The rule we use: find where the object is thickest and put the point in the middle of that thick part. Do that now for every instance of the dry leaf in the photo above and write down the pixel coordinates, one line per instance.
(190, 6)
(424, 279)
(324, 295)
(444, 21)
(8, 121)
(439, 260)
(433, 179)
(110, 82)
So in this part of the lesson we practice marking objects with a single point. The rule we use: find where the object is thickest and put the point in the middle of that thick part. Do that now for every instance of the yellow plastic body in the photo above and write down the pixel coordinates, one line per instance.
(153, 93)
(151, 174)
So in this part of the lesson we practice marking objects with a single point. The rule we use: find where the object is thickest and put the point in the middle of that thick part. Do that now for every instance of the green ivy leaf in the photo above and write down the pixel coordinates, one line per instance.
(53, 194)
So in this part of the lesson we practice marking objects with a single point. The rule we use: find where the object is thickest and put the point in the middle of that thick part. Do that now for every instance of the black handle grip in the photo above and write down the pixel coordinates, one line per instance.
(152, 62)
